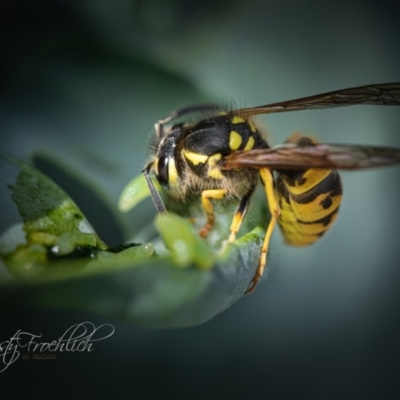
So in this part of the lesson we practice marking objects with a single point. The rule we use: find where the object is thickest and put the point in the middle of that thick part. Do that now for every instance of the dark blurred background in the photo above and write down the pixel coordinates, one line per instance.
(82, 83)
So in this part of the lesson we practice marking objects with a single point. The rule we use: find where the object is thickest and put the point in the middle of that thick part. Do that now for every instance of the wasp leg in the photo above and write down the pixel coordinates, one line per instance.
(206, 195)
(268, 180)
(240, 213)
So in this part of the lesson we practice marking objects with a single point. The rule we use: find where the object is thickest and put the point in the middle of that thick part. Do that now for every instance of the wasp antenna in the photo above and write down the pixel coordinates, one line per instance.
(153, 191)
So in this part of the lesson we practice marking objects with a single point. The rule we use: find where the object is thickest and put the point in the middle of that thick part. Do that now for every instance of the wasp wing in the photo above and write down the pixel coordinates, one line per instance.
(380, 94)
(291, 156)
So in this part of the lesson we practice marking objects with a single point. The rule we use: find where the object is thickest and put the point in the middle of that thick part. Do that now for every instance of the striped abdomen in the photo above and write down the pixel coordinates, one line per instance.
(309, 201)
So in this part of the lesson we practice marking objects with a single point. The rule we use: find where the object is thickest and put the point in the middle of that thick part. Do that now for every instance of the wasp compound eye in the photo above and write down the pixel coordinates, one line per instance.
(162, 170)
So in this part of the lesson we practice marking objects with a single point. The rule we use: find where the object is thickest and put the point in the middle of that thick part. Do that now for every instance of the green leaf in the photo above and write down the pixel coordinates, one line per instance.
(134, 192)
(189, 283)
(185, 246)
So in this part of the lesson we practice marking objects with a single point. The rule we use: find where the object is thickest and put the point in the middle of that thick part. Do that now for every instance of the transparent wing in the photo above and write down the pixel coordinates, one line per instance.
(379, 94)
(291, 156)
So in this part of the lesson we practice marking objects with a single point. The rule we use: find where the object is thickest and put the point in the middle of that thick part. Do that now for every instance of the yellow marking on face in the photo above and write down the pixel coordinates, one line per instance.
(238, 120)
(172, 172)
(249, 144)
(215, 173)
(235, 140)
(221, 113)
(195, 158)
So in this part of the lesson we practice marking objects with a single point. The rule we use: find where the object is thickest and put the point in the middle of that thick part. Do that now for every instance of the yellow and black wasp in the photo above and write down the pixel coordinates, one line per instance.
(221, 154)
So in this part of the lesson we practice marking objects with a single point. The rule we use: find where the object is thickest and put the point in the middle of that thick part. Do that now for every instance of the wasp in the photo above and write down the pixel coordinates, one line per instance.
(222, 155)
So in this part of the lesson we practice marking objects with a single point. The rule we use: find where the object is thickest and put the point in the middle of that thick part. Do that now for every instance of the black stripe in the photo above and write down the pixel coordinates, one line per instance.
(282, 189)
(331, 184)
(324, 221)
(245, 201)
(326, 202)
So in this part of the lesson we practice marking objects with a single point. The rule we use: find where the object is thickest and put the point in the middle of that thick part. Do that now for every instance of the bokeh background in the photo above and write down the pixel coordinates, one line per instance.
(82, 83)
